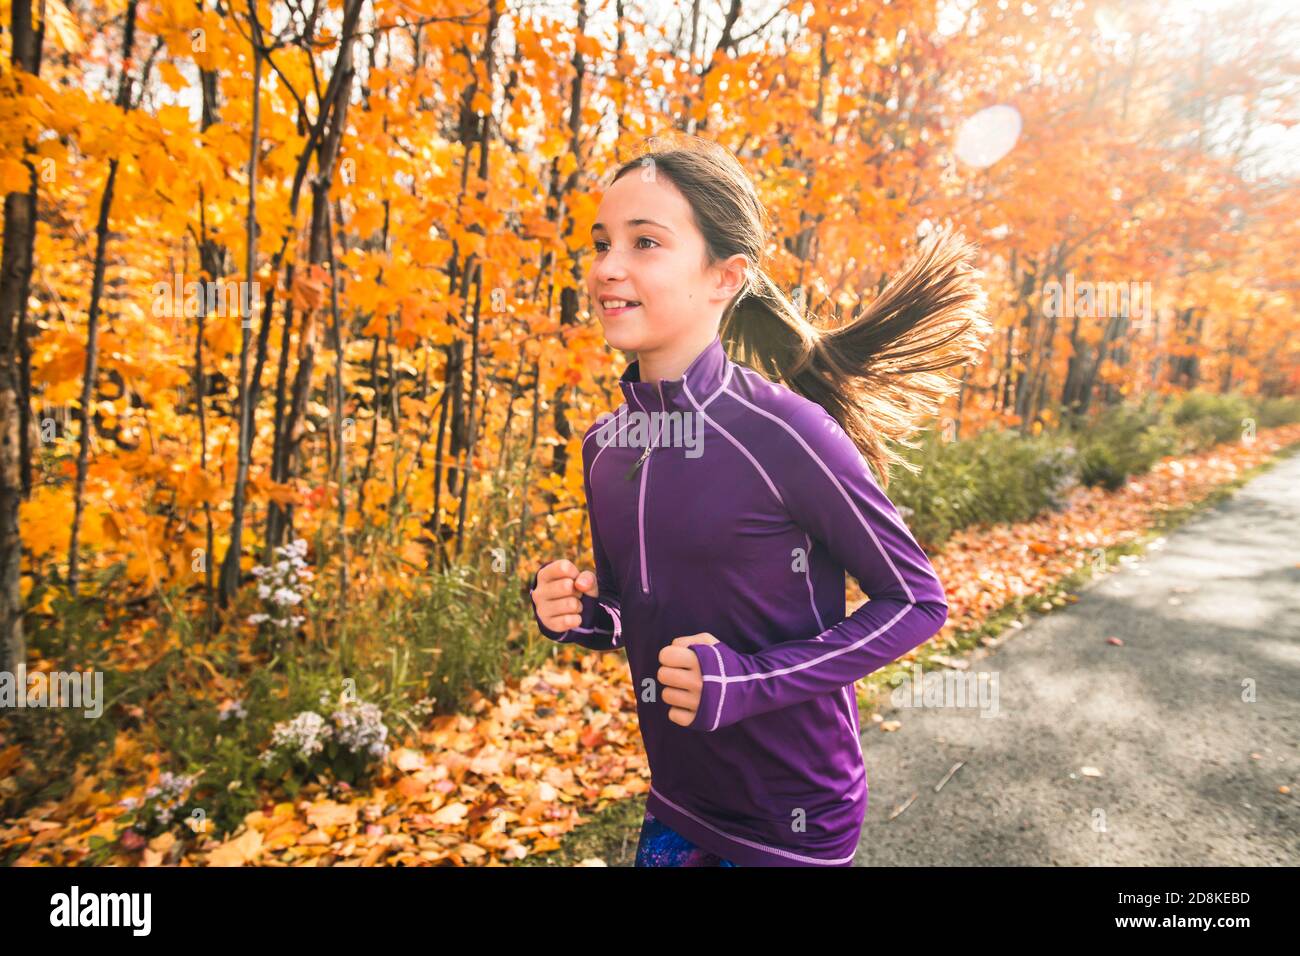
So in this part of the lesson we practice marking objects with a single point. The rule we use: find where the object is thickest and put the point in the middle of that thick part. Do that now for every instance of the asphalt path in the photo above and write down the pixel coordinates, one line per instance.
(1186, 730)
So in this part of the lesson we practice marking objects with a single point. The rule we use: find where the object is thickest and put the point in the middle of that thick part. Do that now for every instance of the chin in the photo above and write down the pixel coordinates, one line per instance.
(621, 337)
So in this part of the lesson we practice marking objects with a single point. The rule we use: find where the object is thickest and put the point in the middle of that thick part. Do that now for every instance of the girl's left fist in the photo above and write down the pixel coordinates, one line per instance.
(679, 675)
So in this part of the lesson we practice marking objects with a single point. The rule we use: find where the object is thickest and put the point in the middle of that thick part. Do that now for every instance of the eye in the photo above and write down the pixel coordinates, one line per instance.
(602, 245)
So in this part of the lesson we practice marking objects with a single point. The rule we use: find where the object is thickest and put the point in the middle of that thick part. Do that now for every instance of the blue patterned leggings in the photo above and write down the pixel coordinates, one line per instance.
(660, 845)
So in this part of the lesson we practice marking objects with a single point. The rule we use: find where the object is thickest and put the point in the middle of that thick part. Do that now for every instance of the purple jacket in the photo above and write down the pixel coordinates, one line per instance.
(741, 523)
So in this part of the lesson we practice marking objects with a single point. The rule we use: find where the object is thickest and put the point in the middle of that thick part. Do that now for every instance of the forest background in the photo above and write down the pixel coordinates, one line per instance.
(295, 357)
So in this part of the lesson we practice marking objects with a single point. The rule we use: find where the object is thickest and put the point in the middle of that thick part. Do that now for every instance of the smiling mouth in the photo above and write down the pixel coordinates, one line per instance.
(612, 309)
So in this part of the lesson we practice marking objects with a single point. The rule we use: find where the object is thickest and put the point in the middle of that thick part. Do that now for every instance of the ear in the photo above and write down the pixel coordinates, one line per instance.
(731, 274)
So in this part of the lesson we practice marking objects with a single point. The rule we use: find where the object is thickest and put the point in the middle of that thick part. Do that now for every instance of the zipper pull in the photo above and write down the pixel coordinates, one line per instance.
(637, 464)
(649, 448)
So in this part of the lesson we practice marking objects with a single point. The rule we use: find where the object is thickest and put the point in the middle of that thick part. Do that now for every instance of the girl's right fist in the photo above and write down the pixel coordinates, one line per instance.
(557, 595)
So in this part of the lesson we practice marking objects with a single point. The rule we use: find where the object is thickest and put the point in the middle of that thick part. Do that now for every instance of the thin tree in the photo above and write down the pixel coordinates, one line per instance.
(15, 409)
(96, 293)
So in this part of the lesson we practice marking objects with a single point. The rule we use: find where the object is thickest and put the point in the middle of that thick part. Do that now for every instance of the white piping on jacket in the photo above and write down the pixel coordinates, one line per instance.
(750, 843)
(831, 475)
(723, 679)
(615, 616)
(614, 613)
(812, 601)
(816, 660)
(595, 431)
(640, 507)
(808, 577)
(722, 691)
(821, 629)
(731, 438)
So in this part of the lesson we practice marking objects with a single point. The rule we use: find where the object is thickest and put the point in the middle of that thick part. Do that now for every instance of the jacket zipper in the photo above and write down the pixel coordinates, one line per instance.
(644, 463)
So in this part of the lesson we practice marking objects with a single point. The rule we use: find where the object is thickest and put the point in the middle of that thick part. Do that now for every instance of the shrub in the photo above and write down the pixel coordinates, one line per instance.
(165, 804)
(1123, 440)
(347, 745)
(1273, 412)
(1205, 419)
(998, 475)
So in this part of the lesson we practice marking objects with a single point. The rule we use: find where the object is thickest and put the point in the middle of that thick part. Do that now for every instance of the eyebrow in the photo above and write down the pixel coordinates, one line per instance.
(634, 222)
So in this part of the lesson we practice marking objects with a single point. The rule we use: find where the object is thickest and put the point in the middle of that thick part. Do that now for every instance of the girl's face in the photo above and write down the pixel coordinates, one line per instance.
(649, 252)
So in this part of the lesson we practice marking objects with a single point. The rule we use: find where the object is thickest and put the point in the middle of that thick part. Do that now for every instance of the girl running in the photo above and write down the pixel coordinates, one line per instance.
(729, 494)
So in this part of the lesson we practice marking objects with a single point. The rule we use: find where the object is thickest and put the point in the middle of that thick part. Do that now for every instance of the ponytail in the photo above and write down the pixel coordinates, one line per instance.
(877, 374)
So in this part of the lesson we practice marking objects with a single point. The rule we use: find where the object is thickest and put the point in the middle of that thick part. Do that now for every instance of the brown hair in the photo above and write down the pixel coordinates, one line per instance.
(877, 374)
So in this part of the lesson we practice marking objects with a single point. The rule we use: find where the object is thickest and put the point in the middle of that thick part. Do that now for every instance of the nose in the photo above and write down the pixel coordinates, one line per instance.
(609, 268)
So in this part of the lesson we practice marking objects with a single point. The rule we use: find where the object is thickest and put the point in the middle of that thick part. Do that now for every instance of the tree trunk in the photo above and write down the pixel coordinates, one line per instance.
(325, 141)
(15, 409)
(92, 325)
(230, 567)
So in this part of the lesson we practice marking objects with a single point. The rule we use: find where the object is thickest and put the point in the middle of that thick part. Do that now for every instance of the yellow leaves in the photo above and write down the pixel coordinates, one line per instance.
(583, 208)
(369, 218)
(46, 520)
(328, 815)
(172, 76)
(429, 250)
(604, 699)
(282, 494)
(368, 295)
(222, 336)
(156, 166)
(504, 351)
(415, 553)
(568, 163)
(113, 531)
(470, 243)
(285, 835)
(537, 226)
(237, 851)
(467, 796)
(588, 45)
(106, 830)
(14, 176)
(60, 26)
(310, 288)
(452, 813)
(556, 142)
(407, 760)
(378, 325)
(158, 848)
(196, 487)
(60, 358)
(437, 331)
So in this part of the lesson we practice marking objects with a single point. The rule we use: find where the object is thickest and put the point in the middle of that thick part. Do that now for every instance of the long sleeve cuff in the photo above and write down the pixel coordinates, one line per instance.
(601, 627)
(736, 685)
